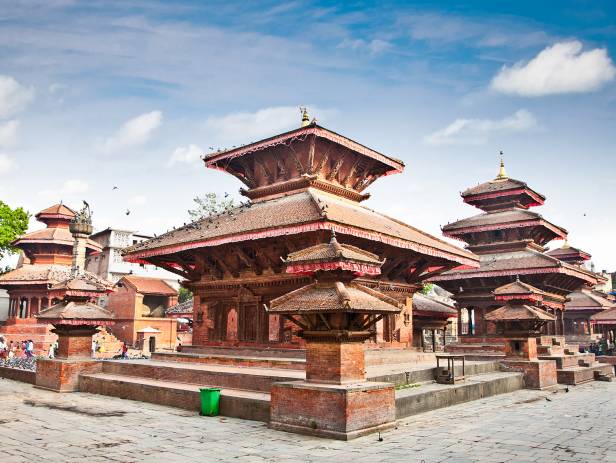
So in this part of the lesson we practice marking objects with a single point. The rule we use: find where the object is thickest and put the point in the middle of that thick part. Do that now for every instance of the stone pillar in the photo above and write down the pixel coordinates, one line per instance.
(335, 362)
(29, 307)
(73, 358)
(335, 401)
(521, 355)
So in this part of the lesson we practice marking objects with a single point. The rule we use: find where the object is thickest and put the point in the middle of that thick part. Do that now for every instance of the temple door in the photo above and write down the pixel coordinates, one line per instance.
(250, 321)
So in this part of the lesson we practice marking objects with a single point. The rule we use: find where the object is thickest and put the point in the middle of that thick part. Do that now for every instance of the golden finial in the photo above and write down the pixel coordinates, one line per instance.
(305, 116)
(566, 244)
(502, 173)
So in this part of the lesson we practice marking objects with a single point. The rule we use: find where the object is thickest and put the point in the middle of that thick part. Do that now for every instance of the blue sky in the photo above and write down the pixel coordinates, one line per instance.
(129, 93)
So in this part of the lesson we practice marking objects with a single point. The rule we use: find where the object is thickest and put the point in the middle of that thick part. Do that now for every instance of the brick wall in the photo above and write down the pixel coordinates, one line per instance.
(335, 362)
(77, 344)
(63, 375)
(323, 410)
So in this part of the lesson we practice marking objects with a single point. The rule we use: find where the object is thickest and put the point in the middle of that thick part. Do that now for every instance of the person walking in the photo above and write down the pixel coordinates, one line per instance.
(3, 349)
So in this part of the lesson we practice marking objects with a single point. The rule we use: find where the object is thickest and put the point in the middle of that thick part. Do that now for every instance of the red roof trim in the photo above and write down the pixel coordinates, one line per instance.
(538, 199)
(321, 132)
(562, 234)
(138, 256)
(521, 271)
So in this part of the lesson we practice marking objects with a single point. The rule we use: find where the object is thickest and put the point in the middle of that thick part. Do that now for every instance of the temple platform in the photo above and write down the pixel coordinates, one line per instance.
(291, 359)
(572, 367)
(246, 389)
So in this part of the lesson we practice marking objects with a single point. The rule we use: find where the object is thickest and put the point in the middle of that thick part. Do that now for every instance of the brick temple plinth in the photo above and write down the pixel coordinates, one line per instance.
(520, 321)
(336, 316)
(76, 318)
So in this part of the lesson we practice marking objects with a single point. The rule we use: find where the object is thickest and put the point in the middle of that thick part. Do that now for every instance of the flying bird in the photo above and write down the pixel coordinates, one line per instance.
(115, 188)
(127, 211)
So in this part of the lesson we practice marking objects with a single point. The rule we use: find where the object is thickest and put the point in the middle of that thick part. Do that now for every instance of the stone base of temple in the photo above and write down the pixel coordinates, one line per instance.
(62, 375)
(580, 375)
(538, 374)
(341, 412)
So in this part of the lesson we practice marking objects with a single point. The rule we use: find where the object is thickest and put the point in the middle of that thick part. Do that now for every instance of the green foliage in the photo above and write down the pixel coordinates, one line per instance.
(427, 288)
(184, 295)
(209, 204)
(13, 224)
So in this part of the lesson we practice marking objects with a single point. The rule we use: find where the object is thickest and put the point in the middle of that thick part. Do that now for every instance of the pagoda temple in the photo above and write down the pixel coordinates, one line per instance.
(300, 186)
(510, 240)
(45, 261)
(581, 304)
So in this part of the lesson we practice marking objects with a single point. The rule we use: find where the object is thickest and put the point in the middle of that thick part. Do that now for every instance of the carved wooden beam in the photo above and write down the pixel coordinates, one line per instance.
(169, 268)
(311, 149)
(248, 173)
(266, 173)
(337, 165)
(213, 268)
(220, 260)
(250, 262)
(297, 161)
(351, 172)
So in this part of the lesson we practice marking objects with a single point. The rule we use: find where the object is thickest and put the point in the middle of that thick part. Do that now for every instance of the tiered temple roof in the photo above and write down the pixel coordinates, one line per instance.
(510, 240)
(302, 181)
(301, 186)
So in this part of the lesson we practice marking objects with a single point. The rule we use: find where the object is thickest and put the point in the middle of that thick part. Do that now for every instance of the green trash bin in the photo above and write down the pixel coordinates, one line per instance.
(210, 398)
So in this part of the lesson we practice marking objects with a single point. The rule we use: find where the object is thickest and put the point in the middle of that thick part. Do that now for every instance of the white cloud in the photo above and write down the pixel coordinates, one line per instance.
(478, 131)
(7, 164)
(138, 200)
(8, 133)
(561, 68)
(70, 187)
(133, 132)
(187, 154)
(14, 97)
(374, 47)
(265, 122)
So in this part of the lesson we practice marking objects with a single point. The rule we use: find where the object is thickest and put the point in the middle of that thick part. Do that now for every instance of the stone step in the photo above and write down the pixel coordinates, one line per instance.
(578, 375)
(405, 374)
(248, 405)
(246, 378)
(433, 396)
(494, 348)
(234, 360)
(256, 406)
(569, 361)
(246, 351)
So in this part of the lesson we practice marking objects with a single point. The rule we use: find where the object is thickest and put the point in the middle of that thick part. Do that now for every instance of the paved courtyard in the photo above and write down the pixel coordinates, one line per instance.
(523, 426)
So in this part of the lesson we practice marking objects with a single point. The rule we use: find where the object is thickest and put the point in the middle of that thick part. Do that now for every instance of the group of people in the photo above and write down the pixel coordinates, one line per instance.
(16, 349)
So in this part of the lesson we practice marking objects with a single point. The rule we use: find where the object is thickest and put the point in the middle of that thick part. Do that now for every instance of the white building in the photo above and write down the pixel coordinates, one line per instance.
(4, 305)
(110, 265)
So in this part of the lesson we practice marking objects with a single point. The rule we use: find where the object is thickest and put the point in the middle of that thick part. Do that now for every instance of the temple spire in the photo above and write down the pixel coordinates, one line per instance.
(502, 173)
(305, 117)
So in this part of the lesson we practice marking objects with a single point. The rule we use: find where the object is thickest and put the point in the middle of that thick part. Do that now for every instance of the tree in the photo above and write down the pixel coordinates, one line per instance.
(427, 288)
(13, 224)
(184, 295)
(210, 204)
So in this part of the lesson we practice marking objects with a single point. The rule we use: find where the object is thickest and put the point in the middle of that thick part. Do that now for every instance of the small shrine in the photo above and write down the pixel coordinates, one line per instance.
(520, 321)
(76, 318)
(336, 315)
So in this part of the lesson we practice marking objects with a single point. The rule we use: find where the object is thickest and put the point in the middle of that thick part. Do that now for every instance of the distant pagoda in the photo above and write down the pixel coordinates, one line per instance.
(510, 240)
(584, 303)
(302, 185)
(45, 261)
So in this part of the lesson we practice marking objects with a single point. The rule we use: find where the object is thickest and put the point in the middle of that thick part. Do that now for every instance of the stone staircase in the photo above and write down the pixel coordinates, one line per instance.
(572, 367)
(246, 377)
